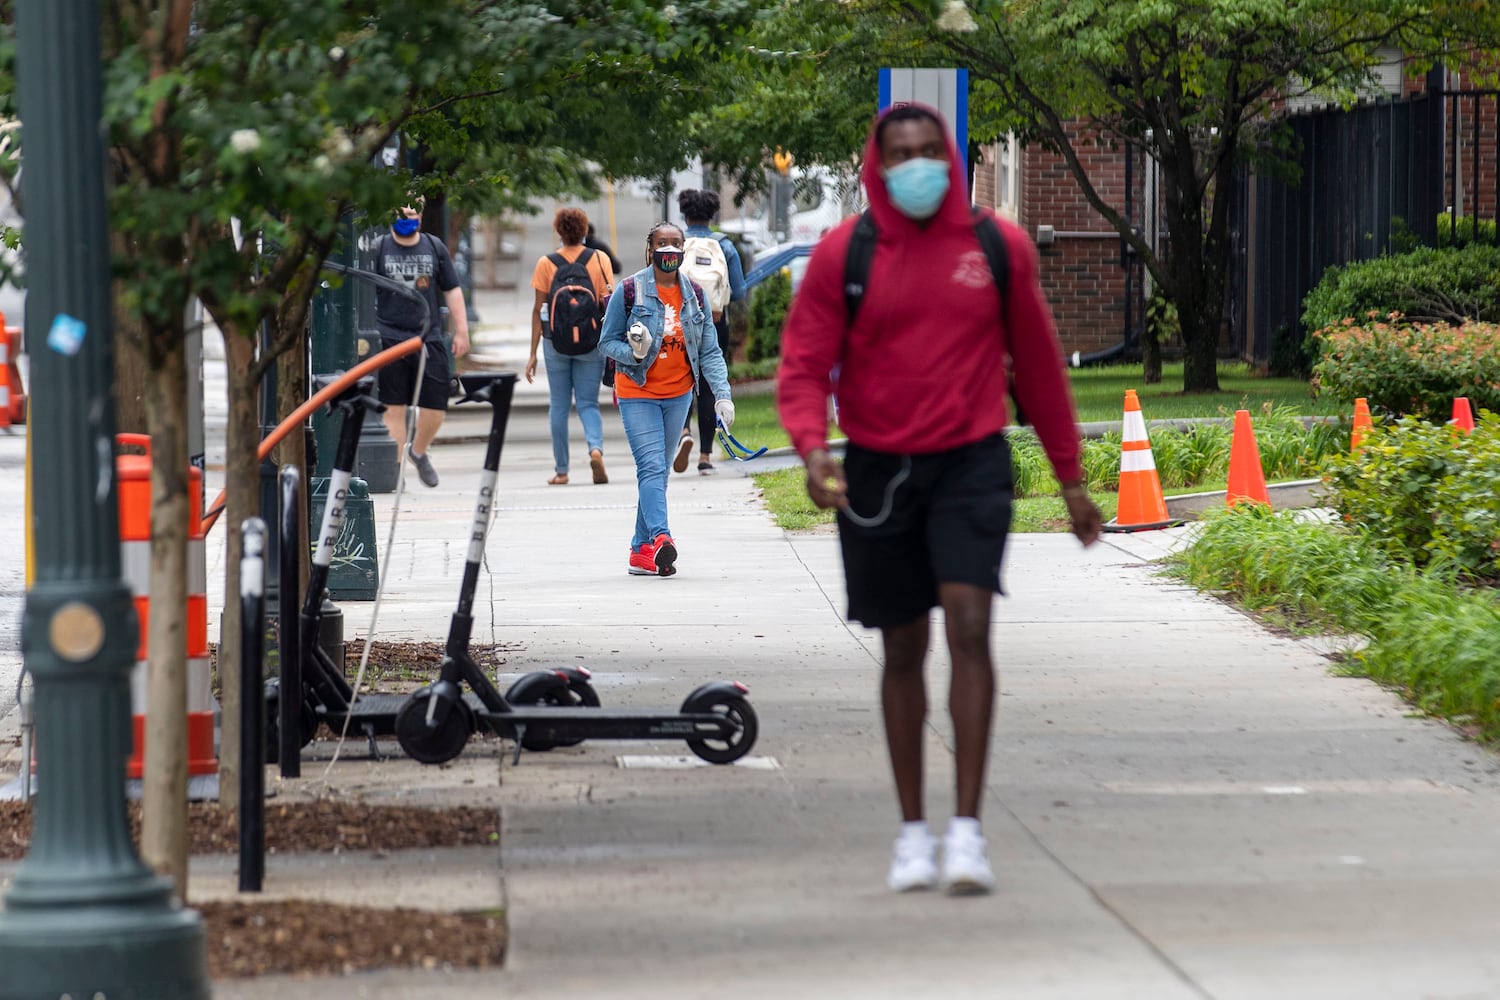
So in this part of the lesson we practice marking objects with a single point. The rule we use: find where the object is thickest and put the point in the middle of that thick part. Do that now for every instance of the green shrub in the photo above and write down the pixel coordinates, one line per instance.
(1410, 368)
(1427, 494)
(1424, 285)
(1428, 638)
(1465, 231)
(769, 302)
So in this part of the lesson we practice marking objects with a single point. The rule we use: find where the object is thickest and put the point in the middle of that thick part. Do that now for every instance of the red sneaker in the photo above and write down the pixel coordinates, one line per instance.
(664, 551)
(643, 561)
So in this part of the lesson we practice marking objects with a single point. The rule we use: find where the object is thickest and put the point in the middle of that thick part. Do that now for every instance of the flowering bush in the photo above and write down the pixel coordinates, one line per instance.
(1410, 368)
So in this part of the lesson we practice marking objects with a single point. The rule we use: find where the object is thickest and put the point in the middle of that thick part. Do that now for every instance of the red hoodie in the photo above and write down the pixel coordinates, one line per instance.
(923, 368)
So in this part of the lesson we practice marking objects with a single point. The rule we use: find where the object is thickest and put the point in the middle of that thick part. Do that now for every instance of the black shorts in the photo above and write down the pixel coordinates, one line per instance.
(395, 381)
(947, 522)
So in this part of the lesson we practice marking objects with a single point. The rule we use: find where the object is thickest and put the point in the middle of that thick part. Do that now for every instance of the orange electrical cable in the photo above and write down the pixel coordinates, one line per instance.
(323, 395)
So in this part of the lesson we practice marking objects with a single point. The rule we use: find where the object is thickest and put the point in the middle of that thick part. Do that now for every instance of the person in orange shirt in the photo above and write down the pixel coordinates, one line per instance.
(573, 375)
(659, 332)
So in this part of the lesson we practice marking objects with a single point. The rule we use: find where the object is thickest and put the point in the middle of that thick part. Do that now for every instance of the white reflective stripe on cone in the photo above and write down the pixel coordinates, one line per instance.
(138, 688)
(135, 567)
(1137, 461)
(197, 568)
(200, 692)
(1135, 426)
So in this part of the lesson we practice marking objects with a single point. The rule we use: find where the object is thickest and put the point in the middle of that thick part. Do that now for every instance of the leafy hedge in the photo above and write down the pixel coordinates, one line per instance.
(1425, 285)
(1410, 368)
(769, 302)
(1427, 494)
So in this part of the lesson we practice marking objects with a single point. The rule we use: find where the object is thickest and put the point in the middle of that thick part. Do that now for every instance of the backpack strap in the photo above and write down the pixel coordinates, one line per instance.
(861, 254)
(558, 261)
(992, 241)
(857, 263)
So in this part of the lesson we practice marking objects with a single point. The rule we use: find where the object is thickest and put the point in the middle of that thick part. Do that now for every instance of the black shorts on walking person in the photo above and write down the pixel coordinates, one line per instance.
(395, 381)
(949, 517)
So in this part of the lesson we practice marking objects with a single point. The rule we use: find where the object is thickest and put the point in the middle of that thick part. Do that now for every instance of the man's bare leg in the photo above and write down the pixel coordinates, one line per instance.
(903, 699)
(971, 697)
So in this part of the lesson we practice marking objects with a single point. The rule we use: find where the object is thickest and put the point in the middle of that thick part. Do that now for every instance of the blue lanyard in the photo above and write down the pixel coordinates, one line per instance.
(732, 446)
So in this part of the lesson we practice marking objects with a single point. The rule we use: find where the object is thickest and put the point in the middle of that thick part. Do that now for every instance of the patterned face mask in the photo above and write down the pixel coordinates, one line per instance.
(667, 259)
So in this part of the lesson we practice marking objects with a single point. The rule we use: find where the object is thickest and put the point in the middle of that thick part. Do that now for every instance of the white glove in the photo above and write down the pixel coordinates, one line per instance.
(640, 340)
(724, 410)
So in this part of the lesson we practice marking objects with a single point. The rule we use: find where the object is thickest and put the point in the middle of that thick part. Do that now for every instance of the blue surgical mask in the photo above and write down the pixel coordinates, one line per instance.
(917, 187)
(406, 227)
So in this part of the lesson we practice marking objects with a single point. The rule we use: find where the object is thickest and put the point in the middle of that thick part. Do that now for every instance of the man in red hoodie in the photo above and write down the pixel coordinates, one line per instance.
(919, 376)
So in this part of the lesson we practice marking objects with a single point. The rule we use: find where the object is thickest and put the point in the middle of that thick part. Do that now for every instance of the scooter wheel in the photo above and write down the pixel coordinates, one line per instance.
(436, 744)
(272, 725)
(720, 751)
(547, 690)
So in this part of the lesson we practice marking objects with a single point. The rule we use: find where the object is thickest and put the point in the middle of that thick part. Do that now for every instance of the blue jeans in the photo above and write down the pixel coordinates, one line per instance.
(573, 377)
(652, 426)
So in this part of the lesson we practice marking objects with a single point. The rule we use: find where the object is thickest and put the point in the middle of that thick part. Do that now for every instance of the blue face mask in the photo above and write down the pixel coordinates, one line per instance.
(405, 227)
(917, 187)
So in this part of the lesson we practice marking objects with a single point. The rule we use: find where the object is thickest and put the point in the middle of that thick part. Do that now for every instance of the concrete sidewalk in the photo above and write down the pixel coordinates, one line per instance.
(1181, 804)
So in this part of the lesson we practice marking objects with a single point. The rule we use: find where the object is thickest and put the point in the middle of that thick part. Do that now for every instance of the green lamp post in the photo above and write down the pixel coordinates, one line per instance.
(84, 916)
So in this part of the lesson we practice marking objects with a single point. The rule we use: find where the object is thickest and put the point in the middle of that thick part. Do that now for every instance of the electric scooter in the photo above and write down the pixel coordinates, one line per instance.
(326, 695)
(548, 708)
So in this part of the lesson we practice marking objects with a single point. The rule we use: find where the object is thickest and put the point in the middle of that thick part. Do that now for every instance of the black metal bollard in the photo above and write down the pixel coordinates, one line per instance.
(252, 705)
(289, 641)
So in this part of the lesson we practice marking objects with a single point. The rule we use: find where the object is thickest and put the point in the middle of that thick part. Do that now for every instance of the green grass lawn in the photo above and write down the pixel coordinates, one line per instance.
(1099, 394)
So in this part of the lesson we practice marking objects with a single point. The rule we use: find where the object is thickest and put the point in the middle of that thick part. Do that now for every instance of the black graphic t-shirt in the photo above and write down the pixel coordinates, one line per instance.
(424, 267)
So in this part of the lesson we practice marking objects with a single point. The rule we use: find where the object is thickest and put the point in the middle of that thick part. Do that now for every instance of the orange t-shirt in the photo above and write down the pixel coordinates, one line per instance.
(598, 265)
(671, 375)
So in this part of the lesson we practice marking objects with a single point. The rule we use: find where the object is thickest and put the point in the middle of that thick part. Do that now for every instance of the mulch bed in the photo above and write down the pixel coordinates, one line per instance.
(253, 937)
(328, 825)
(307, 938)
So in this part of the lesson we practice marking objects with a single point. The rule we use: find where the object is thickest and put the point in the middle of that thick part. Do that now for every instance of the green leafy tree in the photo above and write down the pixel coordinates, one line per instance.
(1195, 85)
(242, 133)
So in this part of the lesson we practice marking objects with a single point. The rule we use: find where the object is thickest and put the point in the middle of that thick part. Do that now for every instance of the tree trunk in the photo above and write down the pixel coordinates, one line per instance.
(164, 843)
(292, 390)
(242, 500)
(1200, 358)
(131, 371)
(1151, 355)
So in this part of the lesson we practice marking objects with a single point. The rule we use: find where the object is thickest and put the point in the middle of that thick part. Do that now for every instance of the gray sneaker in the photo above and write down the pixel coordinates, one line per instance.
(425, 471)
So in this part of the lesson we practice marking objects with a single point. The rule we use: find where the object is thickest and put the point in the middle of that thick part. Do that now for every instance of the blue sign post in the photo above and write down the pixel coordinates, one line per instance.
(944, 89)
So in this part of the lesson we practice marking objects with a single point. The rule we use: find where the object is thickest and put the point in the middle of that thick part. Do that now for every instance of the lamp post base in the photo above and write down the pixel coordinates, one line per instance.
(91, 951)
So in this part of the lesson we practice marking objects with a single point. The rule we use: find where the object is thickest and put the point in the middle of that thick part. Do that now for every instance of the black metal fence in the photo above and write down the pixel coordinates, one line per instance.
(1369, 181)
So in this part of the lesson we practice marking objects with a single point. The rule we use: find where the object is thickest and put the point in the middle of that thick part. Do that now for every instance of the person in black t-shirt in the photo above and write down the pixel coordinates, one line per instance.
(420, 261)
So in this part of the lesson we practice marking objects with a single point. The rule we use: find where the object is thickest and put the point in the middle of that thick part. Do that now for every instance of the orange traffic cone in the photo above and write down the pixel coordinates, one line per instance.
(1362, 423)
(1247, 479)
(1141, 505)
(1463, 417)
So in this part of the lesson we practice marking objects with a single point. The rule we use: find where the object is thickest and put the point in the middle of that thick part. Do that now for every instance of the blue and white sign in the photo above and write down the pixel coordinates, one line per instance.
(944, 89)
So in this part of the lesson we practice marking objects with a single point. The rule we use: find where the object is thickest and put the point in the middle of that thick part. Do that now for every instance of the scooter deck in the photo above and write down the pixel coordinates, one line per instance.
(378, 712)
(607, 724)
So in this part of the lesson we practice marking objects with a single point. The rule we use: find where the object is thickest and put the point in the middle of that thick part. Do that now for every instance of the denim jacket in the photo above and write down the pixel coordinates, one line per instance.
(703, 352)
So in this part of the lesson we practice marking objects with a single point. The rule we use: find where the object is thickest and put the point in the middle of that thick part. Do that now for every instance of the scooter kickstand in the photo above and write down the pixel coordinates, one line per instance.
(369, 729)
(515, 759)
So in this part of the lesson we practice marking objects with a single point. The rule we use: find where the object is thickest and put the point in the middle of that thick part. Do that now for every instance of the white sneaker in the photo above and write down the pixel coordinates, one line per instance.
(913, 862)
(966, 871)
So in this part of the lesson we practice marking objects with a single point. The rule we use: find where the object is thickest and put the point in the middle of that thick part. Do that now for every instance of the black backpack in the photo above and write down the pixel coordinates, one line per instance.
(574, 315)
(862, 251)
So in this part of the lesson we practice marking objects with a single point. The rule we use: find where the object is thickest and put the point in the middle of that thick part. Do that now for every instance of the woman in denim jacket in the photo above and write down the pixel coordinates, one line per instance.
(661, 342)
